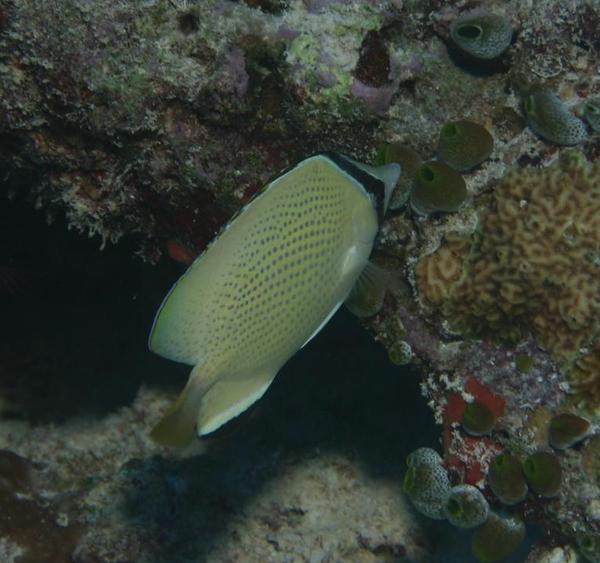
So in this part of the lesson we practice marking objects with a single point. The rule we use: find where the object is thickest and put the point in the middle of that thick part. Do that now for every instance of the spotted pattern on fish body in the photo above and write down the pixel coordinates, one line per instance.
(265, 286)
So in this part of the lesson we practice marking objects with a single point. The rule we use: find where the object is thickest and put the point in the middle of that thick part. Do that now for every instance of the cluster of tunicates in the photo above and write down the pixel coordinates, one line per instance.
(427, 485)
(510, 479)
(436, 186)
(482, 37)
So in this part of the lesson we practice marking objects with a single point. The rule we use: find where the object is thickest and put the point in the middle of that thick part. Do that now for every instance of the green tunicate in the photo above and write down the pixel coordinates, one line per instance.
(409, 161)
(566, 430)
(437, 188)
(426, 483)
(591, 113)
(400, 353)
(549, 118)
(363, 303)
(466, 507)
(497, 538)
(483, 36)
(523, 362)
(543, 473)
(478, 419)
(589, 545)
(505, 478)
(464, 144)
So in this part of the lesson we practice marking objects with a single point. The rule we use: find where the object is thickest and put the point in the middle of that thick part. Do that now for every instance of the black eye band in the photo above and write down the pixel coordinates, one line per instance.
(371, 184)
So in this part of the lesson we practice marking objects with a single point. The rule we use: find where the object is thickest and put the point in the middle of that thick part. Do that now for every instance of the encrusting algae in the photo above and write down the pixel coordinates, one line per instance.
(532, 265)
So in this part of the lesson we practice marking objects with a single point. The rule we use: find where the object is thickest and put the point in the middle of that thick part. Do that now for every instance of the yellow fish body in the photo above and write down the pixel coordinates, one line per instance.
(266, 285)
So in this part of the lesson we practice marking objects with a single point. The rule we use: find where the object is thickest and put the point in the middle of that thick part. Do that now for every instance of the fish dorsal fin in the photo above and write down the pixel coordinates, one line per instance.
(229, 397)
(366, 297)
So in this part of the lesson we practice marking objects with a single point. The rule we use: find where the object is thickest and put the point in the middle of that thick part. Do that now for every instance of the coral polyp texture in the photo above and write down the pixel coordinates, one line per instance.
(532, 267)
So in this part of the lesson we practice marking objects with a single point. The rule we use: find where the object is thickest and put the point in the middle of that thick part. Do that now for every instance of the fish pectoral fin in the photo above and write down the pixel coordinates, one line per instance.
(366, 297)
(177, 426)
(229, 397)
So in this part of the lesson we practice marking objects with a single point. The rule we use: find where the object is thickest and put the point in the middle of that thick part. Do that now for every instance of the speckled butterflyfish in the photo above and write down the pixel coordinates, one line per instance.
(266, 285)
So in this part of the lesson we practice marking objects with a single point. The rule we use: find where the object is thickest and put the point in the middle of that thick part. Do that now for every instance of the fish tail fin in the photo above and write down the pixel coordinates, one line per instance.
(177, 427)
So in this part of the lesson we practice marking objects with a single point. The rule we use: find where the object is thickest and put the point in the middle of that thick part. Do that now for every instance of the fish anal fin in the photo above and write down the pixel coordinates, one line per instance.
(229, 397)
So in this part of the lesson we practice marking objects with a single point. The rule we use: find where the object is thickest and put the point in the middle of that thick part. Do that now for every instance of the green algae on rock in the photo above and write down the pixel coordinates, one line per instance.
(466, 507)
(497, 538)
(464, 144)
(478, 419)
(505, 479)
(550, 119)
(543, 473)
(566, 430)
(437, 188)
(481, 35)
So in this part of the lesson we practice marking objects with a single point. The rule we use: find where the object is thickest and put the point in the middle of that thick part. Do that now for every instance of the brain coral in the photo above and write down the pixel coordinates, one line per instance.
(532, 266)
